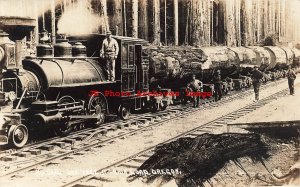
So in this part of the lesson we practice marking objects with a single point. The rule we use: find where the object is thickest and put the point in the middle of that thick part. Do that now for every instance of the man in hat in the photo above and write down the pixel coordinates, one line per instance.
(256, 81)
(291, 75)
(194, 88)
(217, 80)
(109, 52)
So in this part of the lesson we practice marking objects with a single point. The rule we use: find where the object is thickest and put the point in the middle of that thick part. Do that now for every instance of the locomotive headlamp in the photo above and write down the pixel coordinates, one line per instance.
(7, 52)
(4, 120)
(11, 96)
(1, 56)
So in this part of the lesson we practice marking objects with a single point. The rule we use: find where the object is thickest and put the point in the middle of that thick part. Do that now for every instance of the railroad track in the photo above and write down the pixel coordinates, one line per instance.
(90, 140)
(129, 165)
(82, 133)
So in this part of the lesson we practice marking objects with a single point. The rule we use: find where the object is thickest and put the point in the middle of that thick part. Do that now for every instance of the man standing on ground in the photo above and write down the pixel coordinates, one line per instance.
(109, 52)
(217, 80)
(291, 75)
(256, 81)
(195, 87)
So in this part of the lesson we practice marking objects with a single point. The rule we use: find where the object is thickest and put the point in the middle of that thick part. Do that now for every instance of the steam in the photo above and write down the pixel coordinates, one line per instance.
(77, 19)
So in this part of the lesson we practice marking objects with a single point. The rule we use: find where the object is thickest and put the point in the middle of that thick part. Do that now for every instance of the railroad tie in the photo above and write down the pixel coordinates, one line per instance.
(121, 126)
(131, 164)
(35, 152)
(80, 137)
(8, 158)
(149, 118)
(69, 140)
(24, 154)
(143, 122)
(47, 147)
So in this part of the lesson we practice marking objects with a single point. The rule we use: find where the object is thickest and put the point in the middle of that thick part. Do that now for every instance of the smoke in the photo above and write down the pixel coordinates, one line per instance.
(77, 19)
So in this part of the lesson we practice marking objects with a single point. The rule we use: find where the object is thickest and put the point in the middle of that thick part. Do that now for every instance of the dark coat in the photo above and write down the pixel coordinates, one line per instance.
(291, 75)
(257, 75)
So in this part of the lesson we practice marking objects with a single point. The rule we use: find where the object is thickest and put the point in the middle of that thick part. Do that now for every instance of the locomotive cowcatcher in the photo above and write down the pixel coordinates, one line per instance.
(66, 85)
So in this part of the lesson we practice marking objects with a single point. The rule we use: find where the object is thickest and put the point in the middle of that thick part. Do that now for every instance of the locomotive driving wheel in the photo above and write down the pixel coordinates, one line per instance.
(97, 107)
(65, 128)
(18, 136)
(124, 112)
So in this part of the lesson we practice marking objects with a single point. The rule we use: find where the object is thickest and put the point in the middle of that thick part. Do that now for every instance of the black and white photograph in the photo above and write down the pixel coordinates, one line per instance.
(149, 93)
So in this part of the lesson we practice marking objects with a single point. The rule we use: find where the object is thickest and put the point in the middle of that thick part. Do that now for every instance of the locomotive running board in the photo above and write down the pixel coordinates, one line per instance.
(83, 118)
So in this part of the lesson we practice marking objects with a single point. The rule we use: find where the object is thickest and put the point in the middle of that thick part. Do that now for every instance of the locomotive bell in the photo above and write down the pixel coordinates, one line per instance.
(62, 48)
(44, 36)
(79, 50)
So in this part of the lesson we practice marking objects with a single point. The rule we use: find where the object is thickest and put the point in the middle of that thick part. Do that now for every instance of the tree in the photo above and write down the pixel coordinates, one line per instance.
(175, 22)
(156, 22)
(143, 19)
(135, 18)
(117, 21)
(200, 21)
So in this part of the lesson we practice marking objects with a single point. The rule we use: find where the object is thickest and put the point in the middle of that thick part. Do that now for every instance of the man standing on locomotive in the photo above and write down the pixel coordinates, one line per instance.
(291, 75)
(195, 87)
(256, 81)
(109, 52)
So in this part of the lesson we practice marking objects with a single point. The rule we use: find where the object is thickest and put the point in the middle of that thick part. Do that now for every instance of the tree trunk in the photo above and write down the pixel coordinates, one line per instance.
(104, 14)
(230, 23)
(124, 18)
(200, 23)
(143, 19)
(238, 23)
(165, 23)
(116, 21)
(135, 18)
(248, 24)
(282, 20)
(175, 22)
(156, 22)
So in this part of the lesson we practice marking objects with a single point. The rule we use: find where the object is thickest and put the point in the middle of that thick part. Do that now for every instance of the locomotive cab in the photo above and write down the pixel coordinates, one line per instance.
(128, 91)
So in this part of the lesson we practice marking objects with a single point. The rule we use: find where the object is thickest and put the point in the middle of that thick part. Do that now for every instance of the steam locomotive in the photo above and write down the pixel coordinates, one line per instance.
(65, 85)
